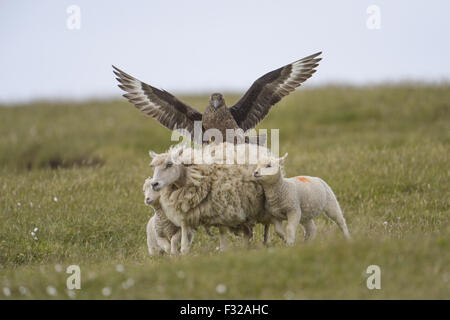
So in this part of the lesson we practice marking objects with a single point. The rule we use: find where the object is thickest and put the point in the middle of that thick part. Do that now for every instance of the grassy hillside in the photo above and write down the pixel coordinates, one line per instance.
(75, 171)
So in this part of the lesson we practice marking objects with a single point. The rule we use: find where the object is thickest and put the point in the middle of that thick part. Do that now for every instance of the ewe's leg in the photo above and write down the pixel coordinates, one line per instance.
(247, 238)
(266, 234)
(209, 232)
(247, 233)
(191, 237)
(310, 230)
(164, 243)
(334, 212)
(185, 229)
(223, 238)
(278, 224)
(175, 243)
(293, 218)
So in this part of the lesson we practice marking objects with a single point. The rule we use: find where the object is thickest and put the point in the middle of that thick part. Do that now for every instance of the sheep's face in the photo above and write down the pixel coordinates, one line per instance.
(151, 196)
(269, 169)
(167, 170)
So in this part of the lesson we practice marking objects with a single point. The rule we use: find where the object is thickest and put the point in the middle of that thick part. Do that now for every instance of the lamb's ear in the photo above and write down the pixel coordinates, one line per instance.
(152, 154)
(281, 160)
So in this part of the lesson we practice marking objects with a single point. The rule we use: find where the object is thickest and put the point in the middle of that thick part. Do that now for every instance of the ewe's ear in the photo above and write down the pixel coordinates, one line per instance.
(281, 160)
(152, 154)
(177, 155)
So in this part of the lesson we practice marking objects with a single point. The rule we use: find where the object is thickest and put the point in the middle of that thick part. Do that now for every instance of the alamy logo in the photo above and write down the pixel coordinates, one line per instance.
(74, 280)
(374, 280)
(233, 136)
(373, 22)
(73, 21)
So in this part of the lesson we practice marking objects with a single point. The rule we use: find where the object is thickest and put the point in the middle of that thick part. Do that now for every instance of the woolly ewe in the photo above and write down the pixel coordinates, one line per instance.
(206, 194)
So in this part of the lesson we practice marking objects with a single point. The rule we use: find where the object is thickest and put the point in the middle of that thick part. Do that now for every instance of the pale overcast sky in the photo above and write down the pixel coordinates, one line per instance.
(205, 46)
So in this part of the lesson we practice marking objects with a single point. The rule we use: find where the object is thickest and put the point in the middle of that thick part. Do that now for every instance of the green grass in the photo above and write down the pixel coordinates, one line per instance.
(384, 150)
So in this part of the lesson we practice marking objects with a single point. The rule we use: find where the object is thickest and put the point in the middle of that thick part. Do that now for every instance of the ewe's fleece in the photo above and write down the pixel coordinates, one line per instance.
(213, 194)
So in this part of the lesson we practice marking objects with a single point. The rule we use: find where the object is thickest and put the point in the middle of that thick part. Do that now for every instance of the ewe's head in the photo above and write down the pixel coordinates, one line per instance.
(269, 169)
(151, 196)
(168, 168)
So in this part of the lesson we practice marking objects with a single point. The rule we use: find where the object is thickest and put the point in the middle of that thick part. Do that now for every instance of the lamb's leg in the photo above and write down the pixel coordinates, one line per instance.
(334, 212)
(153, 248)
(279, 230)
(185, 229)
(266, 234)
(310, 229)
(223, 238)
(175, 242)
(293, 218)
(150, 246)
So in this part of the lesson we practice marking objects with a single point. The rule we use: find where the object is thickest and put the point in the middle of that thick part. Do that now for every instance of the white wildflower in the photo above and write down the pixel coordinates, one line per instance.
(55, 199)
(33, 234)
(7, 291)
(24, 290)
(128, 284)
(51, 291)
(120, 268)
(106, 291)
(221, 288)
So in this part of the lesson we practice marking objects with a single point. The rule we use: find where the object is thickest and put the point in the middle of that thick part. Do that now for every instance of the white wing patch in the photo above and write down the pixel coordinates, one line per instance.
(136, 95)
(300, 71)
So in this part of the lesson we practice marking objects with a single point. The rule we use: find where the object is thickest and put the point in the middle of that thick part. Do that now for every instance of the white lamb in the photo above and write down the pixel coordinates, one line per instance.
(162, 234)
(206, 194)
(297, 200)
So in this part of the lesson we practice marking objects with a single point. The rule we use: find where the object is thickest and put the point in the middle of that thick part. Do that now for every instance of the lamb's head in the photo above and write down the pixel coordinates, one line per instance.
(269, 169)
(168, 169)
(151, 196)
